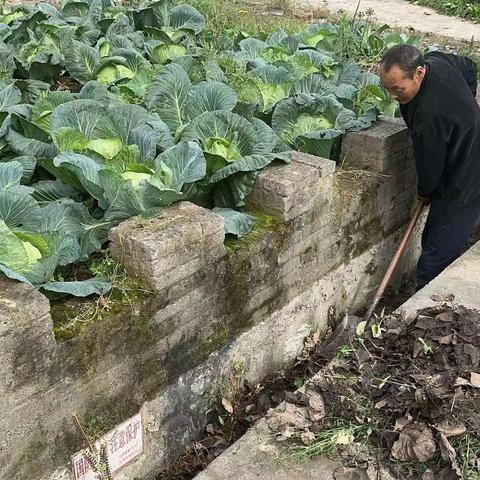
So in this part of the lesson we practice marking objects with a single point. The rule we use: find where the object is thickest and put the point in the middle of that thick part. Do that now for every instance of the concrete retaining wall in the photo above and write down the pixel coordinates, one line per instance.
(331, 235)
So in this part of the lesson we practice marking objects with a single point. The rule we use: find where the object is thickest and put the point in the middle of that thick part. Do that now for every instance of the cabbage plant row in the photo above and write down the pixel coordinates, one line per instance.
(107, 112)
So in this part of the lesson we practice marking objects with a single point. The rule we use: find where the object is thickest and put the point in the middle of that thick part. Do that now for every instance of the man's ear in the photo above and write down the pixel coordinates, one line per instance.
(420, 72)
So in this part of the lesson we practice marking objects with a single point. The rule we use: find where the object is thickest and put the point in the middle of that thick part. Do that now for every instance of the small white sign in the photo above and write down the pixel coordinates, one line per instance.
(124, 444)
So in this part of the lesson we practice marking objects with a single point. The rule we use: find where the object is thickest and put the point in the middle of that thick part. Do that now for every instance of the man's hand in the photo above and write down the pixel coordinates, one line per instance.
(424, 200)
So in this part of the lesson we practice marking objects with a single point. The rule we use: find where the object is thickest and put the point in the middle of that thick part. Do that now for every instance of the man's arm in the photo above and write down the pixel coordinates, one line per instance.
(430, 146)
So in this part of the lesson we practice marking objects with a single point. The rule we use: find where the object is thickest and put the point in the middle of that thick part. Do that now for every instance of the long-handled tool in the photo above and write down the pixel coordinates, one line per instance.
(346, 328)
(395, 259)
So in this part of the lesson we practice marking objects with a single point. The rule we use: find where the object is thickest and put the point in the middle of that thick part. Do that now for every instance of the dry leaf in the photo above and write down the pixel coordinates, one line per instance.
(460, 382)
(249, 408)
(449, 454)
(401, 423)
(307, 437)
(415, 442)
(344, 438)
(210, 429)
(449, 297)
(287, 418)
(446, 317)
(315, 401)
(451, 430)
(446, 340)
(428, 475)
(475, 379)
(227, 405)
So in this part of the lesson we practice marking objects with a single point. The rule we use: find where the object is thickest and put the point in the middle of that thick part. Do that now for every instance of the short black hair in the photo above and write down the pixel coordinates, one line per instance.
(407, 57)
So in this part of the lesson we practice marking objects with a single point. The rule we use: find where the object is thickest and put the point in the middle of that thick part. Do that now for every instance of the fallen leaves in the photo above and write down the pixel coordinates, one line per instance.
(401, 423)
(475, 379)
(287, 419)
(449, 454)
(415, 443)
(227, 405)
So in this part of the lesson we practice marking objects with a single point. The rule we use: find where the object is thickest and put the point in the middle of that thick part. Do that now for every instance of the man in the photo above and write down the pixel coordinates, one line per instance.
(436, 93)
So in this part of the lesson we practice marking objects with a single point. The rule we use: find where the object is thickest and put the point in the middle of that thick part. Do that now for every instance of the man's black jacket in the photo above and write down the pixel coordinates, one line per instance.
(444, 123)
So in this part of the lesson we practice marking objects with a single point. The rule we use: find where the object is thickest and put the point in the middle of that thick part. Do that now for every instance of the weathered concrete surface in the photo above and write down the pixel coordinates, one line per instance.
(151, 251)
(401, 13)
(462, 278)
(286, 190)
(384, 148)
(174, 417)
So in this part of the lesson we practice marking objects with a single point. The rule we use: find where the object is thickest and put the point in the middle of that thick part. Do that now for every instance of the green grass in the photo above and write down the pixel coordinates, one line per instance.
(458, 8)
(468, 448)
(226, 20)
(330, 441)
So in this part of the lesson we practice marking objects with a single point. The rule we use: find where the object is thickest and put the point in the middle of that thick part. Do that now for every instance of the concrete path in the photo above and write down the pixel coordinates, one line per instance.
(401, 13)
(256, 456)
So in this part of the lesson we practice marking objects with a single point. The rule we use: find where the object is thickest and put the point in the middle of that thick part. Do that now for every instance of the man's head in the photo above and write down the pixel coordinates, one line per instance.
(402, 70)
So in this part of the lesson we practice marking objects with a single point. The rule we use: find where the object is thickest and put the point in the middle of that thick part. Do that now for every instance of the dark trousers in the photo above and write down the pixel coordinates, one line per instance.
(445, 237)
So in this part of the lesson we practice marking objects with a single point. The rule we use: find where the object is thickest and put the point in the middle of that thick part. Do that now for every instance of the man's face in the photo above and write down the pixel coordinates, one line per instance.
(400, 85)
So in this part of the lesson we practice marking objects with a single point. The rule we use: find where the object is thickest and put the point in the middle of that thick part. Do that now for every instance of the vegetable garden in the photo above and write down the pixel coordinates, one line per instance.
(110, 111)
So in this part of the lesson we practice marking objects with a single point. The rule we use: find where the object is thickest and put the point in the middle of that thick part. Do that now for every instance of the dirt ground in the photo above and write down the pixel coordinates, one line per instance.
(409, 388)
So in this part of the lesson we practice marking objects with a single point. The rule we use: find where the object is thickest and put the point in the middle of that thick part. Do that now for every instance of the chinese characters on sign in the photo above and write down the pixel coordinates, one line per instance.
(124, 444)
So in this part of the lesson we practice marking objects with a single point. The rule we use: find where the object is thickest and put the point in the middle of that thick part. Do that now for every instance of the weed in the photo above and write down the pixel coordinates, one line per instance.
(327, 442)
(69, 317)
(458, 8)
(345, 351)
(468, 448)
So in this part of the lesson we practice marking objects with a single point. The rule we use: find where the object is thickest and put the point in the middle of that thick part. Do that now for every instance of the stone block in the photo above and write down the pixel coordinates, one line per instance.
(26, 335)
(166, 249)
(289, 190)
(383, 148)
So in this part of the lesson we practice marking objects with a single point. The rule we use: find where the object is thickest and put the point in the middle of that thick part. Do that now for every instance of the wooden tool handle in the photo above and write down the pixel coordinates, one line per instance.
(395, 259)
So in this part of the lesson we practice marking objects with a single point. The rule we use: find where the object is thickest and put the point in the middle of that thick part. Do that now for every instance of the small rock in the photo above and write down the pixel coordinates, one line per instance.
(267, 448)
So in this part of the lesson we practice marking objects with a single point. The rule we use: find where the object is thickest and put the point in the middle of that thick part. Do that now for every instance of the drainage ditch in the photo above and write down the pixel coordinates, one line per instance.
(229, 418)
